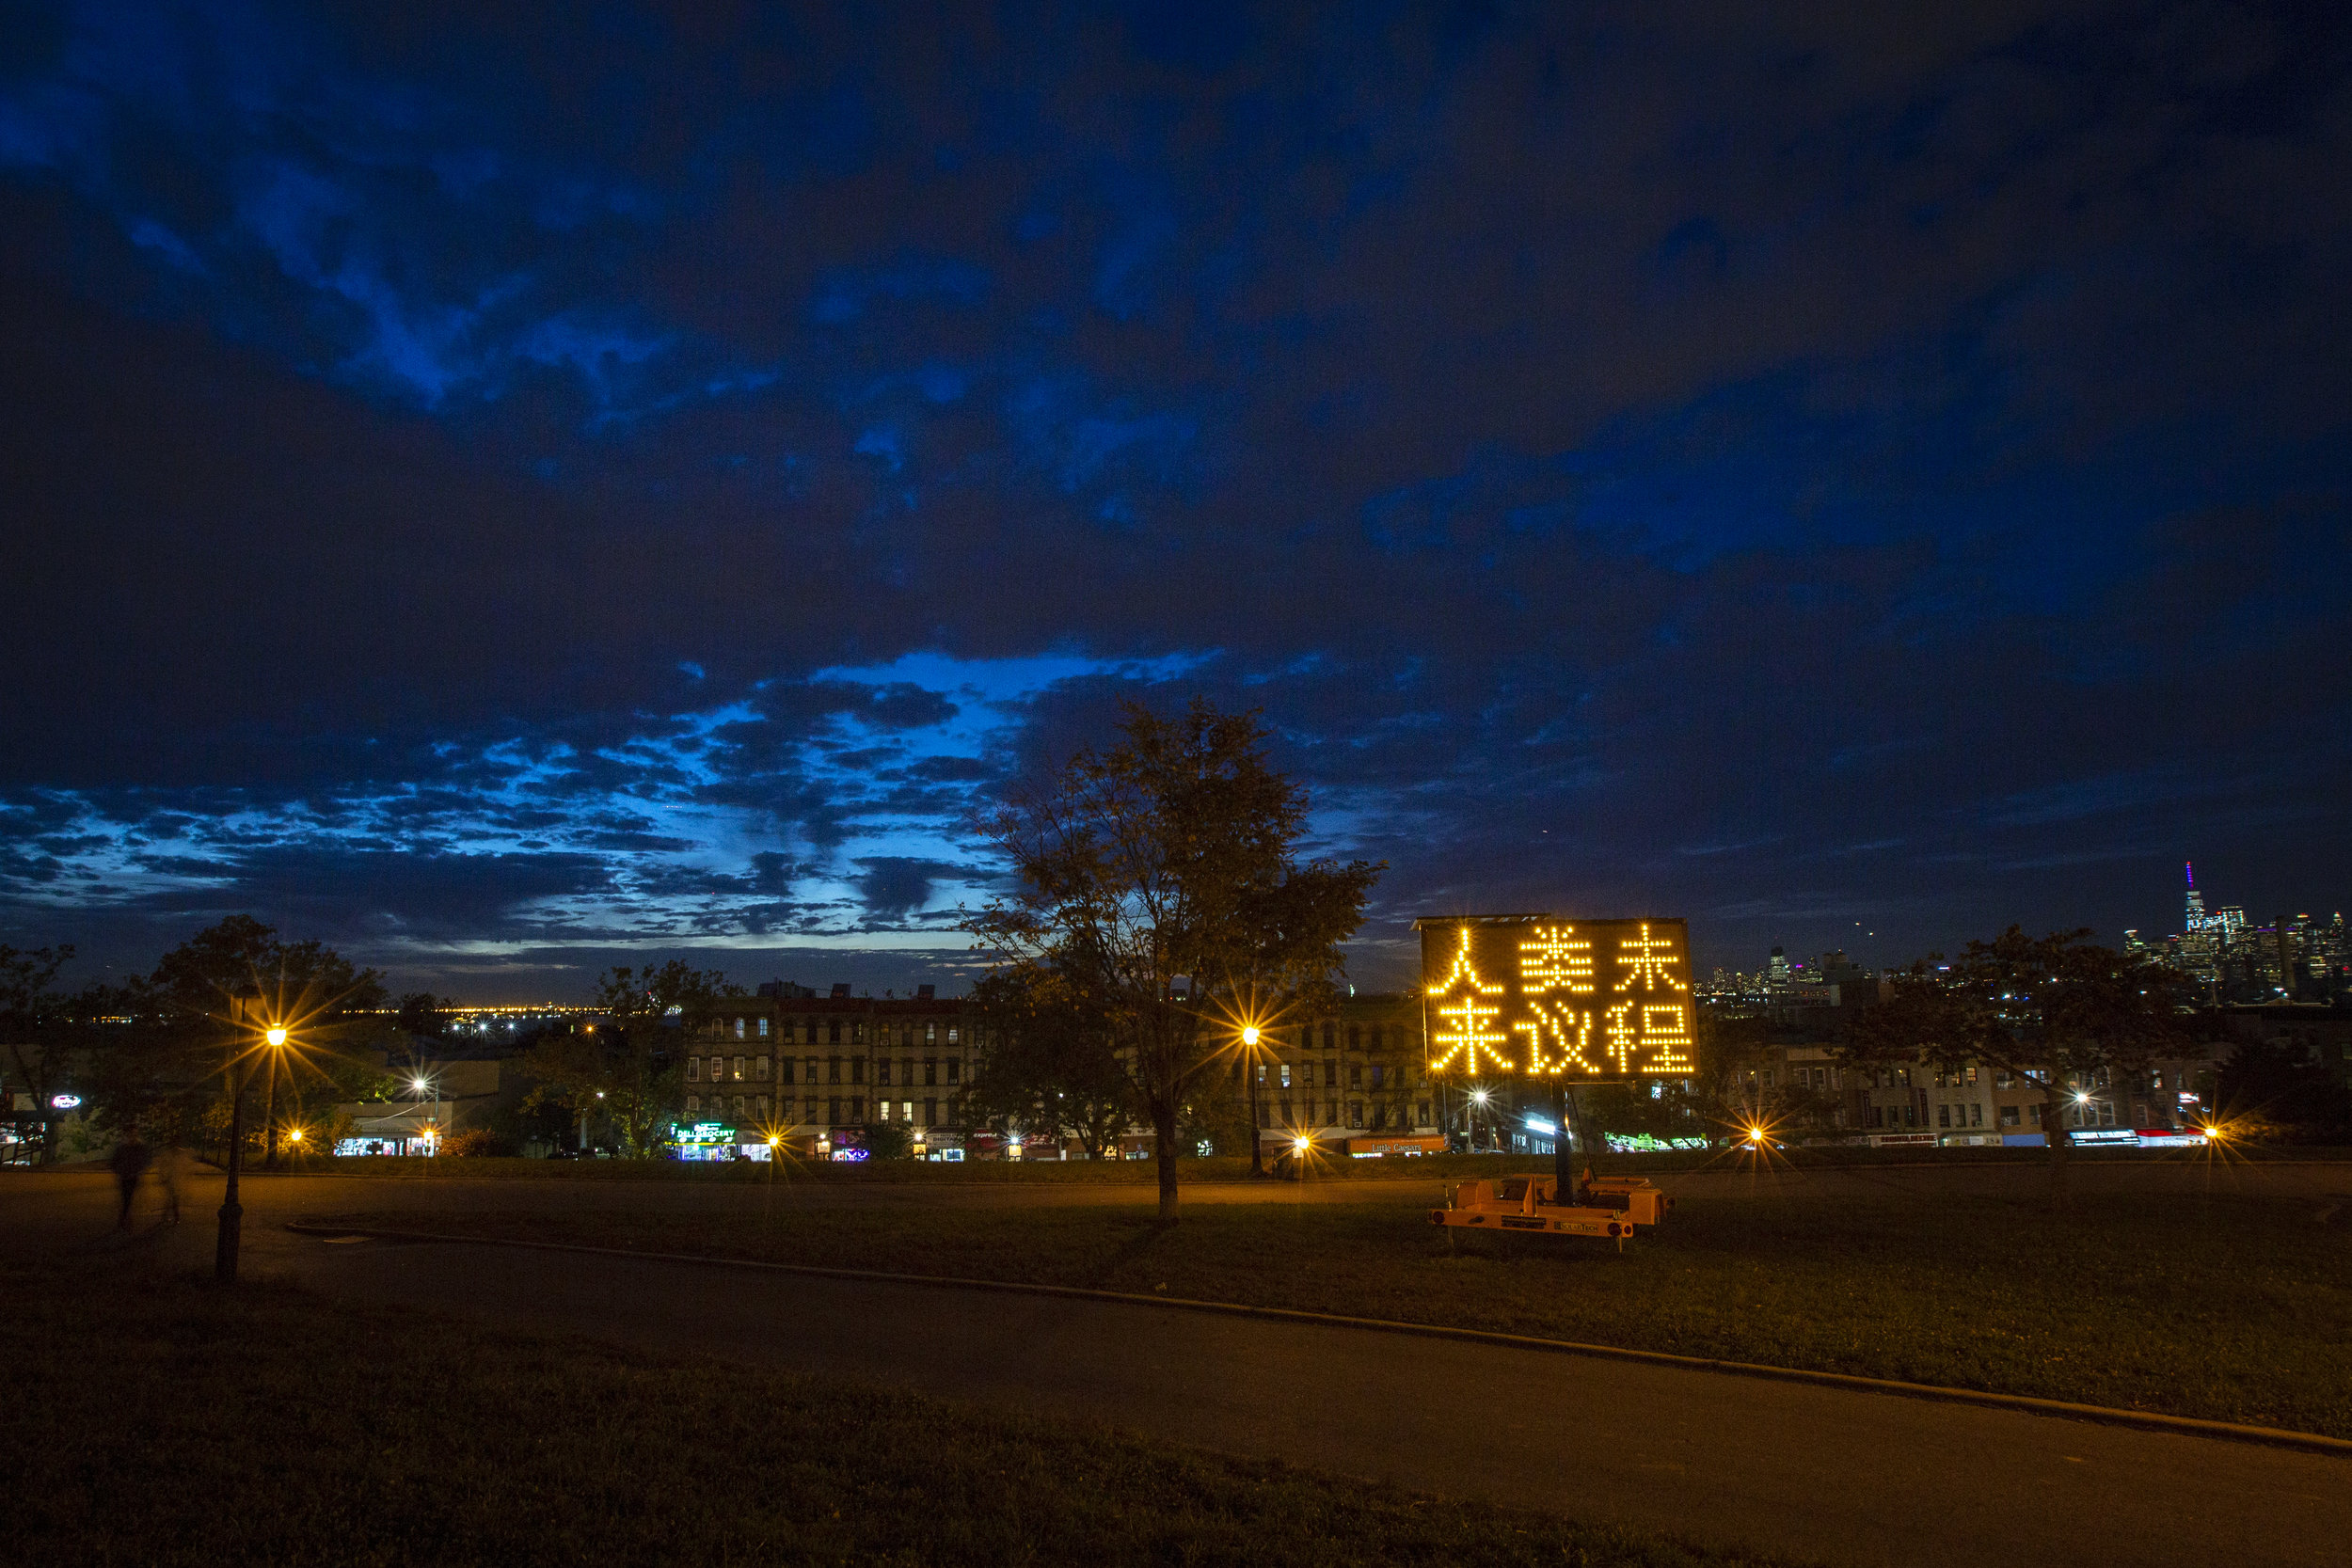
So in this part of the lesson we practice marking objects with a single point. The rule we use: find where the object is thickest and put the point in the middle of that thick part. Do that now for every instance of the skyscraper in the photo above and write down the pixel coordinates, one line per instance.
(2201, 954)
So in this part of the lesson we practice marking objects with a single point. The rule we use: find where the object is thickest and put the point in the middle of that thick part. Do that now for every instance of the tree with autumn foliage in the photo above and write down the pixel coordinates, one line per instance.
(1161, 879)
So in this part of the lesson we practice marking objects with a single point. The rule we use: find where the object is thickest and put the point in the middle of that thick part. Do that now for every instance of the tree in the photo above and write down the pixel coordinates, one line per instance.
(1161, 879)
(328, 1004)
(423, 1014)
(889, 1140)
(1051, 1064)
(2274, 1087)
(30, 1026)
(629, 1065)
(2057, 1012)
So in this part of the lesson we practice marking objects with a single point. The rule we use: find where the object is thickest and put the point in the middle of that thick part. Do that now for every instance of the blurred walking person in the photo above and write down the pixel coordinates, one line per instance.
(129, 1161)
(171, 1168)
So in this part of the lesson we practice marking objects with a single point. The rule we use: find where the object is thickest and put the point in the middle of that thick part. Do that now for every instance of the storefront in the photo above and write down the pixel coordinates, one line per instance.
(1397, 1144)
(411, 1130)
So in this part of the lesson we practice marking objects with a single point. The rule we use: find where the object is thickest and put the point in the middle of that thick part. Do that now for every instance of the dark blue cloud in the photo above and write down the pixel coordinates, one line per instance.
(1787, 470)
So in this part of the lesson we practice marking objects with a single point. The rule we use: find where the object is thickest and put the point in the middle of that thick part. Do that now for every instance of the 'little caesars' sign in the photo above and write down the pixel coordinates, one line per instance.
(1553, 997)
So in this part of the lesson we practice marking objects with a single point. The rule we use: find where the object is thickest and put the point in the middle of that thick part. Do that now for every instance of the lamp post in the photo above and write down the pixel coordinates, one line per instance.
(231, 1230)
(1250, 1067)
(269, 1110)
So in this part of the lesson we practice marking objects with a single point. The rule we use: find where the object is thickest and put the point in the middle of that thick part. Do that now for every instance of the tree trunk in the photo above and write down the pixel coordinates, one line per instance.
(2053, 1133)
(1164, 1153)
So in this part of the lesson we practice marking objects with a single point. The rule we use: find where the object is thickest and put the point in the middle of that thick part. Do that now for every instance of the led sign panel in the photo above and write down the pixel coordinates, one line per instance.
(1583, 1000)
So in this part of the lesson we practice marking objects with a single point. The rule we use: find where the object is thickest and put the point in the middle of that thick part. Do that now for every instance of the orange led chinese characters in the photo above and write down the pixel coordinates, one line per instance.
(1511, 992)
(1472, 1034)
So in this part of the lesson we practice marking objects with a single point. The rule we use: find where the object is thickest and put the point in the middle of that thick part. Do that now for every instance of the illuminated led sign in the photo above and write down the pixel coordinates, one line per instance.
(1557, 998)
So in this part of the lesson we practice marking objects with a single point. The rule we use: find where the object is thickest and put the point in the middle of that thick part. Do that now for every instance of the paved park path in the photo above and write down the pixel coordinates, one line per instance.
(1824, 1473)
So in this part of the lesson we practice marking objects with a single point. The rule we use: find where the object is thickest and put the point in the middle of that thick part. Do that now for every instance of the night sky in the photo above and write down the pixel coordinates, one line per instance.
(510, 492)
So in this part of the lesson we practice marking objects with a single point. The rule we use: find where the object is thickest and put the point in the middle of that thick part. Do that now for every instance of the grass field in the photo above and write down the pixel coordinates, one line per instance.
(2227, 1308)
(158, 1421)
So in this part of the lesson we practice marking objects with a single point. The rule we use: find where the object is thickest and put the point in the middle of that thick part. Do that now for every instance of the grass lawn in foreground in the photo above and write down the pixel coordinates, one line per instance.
(2228, 1307)
(160, 1420)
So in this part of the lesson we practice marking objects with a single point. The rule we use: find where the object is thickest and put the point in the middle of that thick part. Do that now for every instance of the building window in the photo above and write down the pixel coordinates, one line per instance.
(1266, 1116)
(738, 1073)
(1330, 1075)
(930, 1069)
(1355, 1113)
(1283, 1114)
(738, 1104)
(1942, 1116)
(832, 1110)
(906, 1110)
(1331, 1113)
(1379, 1116)
(2008, 1115)
(833, 1070)
(1354, 1075)
(955, 1066)
(833, 1031)
(763, 1028)
(1262, 1075)
(694, 1070)
(1355, 1037)
(857, 1107)
(930, 1113)
(1330, 1035)
(1286, 1075)
(1422, 1119)
(1975, 1115)
(881, 1070)
(2033, 1113)
(857, 1069)
(1379, 1074)
(693, 1105)
(759, 1069)
(952, 1033)
(738, 1028)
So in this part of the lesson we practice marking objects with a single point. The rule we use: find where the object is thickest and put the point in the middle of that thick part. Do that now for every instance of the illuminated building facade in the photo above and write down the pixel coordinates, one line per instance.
(1804, 1087)
(822, 1071)
(1353, 1083)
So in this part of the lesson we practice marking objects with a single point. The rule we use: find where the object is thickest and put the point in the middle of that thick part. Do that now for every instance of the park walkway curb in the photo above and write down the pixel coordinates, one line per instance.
(2187, 1426)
